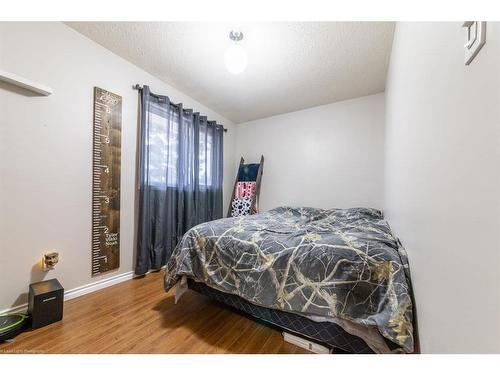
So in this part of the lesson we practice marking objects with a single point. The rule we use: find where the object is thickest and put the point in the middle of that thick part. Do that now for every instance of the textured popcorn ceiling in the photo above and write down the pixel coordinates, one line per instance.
(291, 66)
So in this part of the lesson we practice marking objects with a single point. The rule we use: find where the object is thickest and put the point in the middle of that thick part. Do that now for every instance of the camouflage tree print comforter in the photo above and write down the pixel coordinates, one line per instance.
(337, 263)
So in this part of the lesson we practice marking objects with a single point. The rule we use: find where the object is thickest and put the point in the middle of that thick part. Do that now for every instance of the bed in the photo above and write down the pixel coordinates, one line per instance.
(339, 275)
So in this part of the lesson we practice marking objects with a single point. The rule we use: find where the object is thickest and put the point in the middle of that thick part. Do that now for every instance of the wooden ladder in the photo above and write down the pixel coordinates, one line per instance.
(254, 208)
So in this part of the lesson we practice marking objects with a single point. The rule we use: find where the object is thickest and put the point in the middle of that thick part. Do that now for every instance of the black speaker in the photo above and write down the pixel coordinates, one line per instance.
(45, 304)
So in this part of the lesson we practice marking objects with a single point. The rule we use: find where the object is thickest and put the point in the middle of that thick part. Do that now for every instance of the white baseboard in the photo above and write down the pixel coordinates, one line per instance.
(101, 284)
(81, 290)
(15, 309)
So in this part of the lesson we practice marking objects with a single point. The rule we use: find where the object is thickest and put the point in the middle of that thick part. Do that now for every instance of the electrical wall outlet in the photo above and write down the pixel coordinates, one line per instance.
(50, 260)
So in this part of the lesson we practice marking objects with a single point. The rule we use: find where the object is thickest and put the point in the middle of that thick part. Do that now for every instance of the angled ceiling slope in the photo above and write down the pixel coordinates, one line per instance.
(291, 66)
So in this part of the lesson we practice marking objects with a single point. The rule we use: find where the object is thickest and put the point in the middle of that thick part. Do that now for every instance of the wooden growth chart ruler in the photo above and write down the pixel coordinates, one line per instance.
(106, 181)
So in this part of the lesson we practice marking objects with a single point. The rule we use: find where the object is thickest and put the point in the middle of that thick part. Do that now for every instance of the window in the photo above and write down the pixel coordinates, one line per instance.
(205, 147)
(163, 144)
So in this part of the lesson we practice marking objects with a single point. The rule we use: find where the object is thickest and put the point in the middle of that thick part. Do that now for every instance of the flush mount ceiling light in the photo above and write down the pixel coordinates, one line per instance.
(235, 57)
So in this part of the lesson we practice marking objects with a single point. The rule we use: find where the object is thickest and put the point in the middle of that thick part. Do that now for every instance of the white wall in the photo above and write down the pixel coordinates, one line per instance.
(440, 192)
(327, 156)
(45, 153)
(442, 186)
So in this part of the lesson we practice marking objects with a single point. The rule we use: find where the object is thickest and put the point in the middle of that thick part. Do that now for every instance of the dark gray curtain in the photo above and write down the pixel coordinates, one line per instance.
(180, 176)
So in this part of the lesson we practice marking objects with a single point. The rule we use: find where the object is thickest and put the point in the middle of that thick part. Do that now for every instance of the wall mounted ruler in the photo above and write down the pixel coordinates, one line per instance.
(106, 181)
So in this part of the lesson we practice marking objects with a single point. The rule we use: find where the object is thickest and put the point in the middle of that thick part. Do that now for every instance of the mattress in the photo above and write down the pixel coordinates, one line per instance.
(325, 333)
(339, 266)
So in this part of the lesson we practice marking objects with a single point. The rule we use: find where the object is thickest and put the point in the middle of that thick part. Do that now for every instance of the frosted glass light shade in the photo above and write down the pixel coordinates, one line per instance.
(235, 59)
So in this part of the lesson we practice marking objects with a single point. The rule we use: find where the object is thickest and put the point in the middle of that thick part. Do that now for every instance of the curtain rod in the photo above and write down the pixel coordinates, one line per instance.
(139, 87)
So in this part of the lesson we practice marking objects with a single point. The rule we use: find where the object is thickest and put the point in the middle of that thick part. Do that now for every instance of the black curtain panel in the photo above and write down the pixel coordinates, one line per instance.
(180, 176)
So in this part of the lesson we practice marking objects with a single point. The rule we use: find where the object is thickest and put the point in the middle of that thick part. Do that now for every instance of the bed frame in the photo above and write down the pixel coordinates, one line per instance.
(324, 333)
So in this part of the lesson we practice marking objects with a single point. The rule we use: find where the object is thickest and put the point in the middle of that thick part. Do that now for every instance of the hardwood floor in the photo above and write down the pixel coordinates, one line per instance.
(137, 316)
